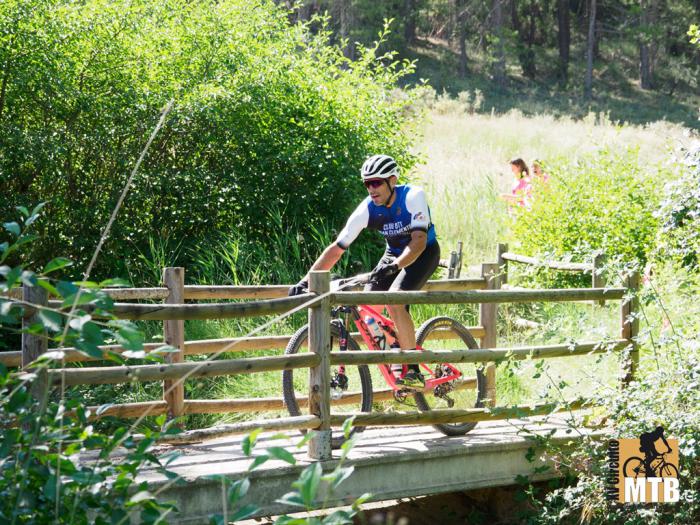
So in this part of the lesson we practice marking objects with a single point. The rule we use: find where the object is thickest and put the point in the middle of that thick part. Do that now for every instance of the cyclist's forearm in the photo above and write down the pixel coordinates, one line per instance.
(411, 252)
(328, 258)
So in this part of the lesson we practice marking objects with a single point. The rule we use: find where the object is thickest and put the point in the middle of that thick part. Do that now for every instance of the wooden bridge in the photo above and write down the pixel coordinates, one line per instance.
(396, 446)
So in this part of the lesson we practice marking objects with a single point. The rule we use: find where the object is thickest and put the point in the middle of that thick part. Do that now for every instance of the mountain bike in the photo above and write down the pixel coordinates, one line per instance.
(634, 467)
(446, 385)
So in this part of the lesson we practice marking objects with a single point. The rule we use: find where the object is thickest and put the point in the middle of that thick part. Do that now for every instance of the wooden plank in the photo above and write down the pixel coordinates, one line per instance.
(211, 346)
(484, 355)
(174, 335)
(34, 345)
(127, 374)
(477, 296)
(154, 312)
(502, 248)
(450, 415)
(629, 330)
(197, 292)
(554, 265)
(488, 316)
(283, 423)
(320, 375)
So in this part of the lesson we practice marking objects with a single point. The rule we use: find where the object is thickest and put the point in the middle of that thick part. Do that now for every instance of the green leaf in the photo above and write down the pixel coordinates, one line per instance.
(259, 460)
(13, 228)
(116, 282)
(292, 498)
(281, 453)
(246, 511)
(50, 288)
(52, 321)
(139, 497)
(237, 490)
(56, 264)
(248, 442)
(308, 482)
(23, 210)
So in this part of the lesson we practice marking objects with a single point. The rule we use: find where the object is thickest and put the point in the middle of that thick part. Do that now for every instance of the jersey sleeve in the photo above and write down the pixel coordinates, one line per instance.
(357, 222)
(417, 206)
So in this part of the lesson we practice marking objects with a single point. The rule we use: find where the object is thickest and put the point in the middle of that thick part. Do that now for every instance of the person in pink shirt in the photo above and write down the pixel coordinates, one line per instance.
(521, 190)
(538, 173)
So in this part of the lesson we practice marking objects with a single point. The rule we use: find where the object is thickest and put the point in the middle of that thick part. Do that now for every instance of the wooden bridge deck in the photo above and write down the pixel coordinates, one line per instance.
(389, 463)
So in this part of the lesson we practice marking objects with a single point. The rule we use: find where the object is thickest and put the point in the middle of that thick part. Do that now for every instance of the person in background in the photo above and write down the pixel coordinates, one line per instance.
(522, 188)
(538, 173)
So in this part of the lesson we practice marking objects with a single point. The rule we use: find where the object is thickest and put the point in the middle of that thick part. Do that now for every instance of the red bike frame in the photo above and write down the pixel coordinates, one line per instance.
(388, 329)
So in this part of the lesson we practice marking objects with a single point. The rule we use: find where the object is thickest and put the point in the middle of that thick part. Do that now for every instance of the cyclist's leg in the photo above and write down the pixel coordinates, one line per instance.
(412, 277)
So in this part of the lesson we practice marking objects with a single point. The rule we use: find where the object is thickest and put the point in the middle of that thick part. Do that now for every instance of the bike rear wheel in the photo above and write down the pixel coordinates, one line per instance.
(469, 391)
(355, 397)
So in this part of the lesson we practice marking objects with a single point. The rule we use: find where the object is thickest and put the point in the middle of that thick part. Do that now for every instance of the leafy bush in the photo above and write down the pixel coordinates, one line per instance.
(665, 392)
(267, 116)
(679, 236)
(601, 203)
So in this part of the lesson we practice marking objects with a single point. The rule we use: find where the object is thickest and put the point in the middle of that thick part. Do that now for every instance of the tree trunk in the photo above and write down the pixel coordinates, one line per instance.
(588, 89)
(462, 37)
(345, 26)
(409, 34)
(499, 59)
(564, 38)
(647, 20)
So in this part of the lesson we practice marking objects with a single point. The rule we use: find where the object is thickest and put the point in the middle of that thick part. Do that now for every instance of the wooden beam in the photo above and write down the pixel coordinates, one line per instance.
(320, 375)
(126, 374)
(488, 355)
(449, 415)
(554, 265)
(283, 423)
(478, 296)
(174, 335)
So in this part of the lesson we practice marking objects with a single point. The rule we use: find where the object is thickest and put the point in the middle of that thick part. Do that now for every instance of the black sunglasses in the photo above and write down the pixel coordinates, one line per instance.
(374, 183)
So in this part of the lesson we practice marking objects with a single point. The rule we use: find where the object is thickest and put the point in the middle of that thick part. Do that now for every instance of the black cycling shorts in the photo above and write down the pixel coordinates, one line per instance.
(413, 277)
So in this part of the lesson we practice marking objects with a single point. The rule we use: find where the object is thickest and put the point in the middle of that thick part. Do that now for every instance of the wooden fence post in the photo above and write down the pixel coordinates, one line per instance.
(33, 345)
(452, 265)
(598, 276)
(320, 376)
(629, 329)
(174, 335)
(459, 259)
(502, 248)
(487, 318)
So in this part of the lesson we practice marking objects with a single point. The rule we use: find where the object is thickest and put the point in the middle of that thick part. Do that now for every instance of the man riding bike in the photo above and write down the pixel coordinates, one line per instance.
(647, 445)
(401, 214)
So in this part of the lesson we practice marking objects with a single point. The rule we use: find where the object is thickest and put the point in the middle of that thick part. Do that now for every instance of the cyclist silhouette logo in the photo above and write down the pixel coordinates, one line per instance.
(647, 468)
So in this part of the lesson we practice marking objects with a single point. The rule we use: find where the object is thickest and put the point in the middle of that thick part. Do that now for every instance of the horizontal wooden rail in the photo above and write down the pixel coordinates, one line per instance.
(554, 265)
(123, 374)
(476, 355)
(210, 346)
(283, 423)
(478, 296)
(126, 374)
(450, 415)
(164, 312)
(225, 406)
(204, 292)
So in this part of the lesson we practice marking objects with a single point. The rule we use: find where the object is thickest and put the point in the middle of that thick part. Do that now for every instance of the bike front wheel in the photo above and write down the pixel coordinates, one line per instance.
(468, 391)
(351, 389)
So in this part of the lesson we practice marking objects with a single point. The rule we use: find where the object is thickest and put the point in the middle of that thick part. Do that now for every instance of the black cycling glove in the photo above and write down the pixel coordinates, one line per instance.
(299, 288)
(384, 270)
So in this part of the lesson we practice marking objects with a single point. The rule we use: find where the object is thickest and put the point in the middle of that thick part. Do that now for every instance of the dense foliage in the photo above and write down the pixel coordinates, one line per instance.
(679, 236)
(664, 393)
(600, 203)
(267, 116)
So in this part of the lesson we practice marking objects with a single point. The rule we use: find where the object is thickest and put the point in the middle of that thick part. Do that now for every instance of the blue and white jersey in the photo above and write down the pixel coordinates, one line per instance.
(407, 214)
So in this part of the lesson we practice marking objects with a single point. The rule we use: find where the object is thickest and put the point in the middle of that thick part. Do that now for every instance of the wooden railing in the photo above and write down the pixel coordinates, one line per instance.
(484, 291)
(594, 267)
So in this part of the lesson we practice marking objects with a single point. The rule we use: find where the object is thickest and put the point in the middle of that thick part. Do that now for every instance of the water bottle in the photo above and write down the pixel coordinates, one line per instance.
(374, 329)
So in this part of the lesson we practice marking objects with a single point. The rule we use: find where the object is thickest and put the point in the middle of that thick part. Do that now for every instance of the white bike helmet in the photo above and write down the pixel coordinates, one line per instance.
(379, 167)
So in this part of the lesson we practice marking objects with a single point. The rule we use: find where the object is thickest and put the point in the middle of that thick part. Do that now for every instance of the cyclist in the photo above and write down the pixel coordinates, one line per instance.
(401, 214)
(646, 441)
